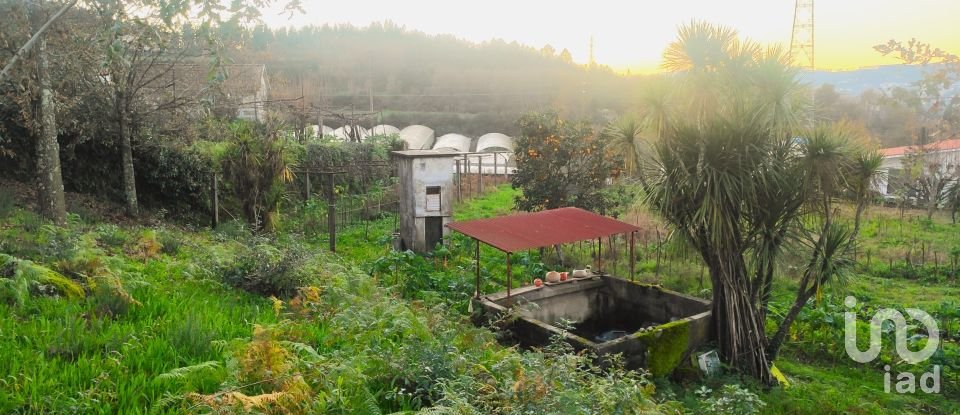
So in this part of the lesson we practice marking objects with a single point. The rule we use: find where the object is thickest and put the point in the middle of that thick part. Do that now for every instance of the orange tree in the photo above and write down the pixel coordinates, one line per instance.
(560, 164)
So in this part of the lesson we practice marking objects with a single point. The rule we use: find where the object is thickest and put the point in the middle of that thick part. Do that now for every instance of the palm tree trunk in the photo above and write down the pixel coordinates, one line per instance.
(739, 328)
(765, 290)
(861, 207)
(804, 292)
(776, 342)
(50, 180)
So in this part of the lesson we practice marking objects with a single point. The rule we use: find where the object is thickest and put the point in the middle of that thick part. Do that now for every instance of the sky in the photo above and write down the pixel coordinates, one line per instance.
(633, 34)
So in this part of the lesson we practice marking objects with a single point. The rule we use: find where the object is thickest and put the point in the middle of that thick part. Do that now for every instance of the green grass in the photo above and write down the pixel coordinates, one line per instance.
(365, 342)
(174, 338)
(824, 388)
(62, 356)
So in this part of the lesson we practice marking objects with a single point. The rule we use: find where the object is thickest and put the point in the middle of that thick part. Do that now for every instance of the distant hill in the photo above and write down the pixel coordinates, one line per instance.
(879, 77)
(442, 81)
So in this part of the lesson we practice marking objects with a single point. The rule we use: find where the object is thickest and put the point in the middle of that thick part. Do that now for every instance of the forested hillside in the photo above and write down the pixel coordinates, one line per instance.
(447, 83)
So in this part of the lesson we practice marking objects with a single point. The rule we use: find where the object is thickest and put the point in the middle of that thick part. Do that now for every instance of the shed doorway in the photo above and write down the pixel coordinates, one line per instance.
(433, 231)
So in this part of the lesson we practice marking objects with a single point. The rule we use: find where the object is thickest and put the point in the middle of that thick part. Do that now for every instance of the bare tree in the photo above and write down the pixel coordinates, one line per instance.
(36, 38)
(49, 179)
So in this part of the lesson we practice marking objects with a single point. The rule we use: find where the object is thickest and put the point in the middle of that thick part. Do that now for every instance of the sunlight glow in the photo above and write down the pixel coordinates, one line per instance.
(634, 34)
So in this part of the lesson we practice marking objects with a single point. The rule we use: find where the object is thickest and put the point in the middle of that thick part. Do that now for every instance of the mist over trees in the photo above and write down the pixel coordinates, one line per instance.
(449, 84)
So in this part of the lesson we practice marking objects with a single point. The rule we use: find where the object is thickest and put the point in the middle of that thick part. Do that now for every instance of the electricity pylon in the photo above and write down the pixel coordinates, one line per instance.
(801, 41)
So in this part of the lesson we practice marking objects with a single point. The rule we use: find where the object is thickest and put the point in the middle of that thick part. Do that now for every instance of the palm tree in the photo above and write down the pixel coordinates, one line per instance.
(736, 184)
(865, 172)
(657, 96)
(705, 180)
(713, 61)
(701, 47)
(826, 156)
(624, 135)
(829, 262)
(782, 101)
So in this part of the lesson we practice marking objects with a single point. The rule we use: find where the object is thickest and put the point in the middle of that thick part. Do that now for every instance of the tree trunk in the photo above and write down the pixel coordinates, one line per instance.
(126, 154)
(777, 341)
(740, 330)
(765, 291)
(861, 207)
(49, 179)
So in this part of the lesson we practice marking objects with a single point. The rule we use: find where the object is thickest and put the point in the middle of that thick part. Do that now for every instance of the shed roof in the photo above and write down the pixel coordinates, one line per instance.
(534, 230)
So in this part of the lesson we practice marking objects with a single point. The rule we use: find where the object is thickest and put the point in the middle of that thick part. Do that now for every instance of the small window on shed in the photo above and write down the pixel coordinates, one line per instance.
(433, 198)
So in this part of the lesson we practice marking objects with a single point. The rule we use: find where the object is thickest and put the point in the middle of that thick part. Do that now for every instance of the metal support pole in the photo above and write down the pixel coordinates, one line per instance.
(331, 213)
(509, 276)
(599, 254)
(633, 258)
(495, 157)
(477, 294)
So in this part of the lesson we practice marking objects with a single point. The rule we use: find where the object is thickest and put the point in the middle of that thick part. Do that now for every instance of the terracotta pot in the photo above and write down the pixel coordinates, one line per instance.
(563, 276)
(553, 276)
(538, 282)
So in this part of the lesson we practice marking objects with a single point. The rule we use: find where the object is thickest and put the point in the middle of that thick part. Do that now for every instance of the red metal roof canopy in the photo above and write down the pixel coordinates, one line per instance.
(540, 229)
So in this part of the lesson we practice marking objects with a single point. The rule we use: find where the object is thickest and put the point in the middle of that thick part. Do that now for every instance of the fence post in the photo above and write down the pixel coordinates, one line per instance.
(459, 183)
(216, 204)
(466, 162)
(480, 174)
(307, 197)
(365, 218)
(331, 213)
(505, 165)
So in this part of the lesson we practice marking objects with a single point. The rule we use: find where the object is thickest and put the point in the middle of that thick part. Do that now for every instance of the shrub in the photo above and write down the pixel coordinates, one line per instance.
(147, 247)
(19, 279)
(169, 241)
(167, 175)
(232, 230)
(255, 167)
(110, 298)
(112, 236)
(267, 270)
(730, 400)
(7, 204)
(174, 178)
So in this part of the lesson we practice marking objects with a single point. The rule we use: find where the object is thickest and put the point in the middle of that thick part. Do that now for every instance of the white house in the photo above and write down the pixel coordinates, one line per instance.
(945, 153)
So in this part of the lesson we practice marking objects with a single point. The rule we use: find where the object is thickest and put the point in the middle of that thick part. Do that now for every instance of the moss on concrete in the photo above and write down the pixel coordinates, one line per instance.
(666, 345)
